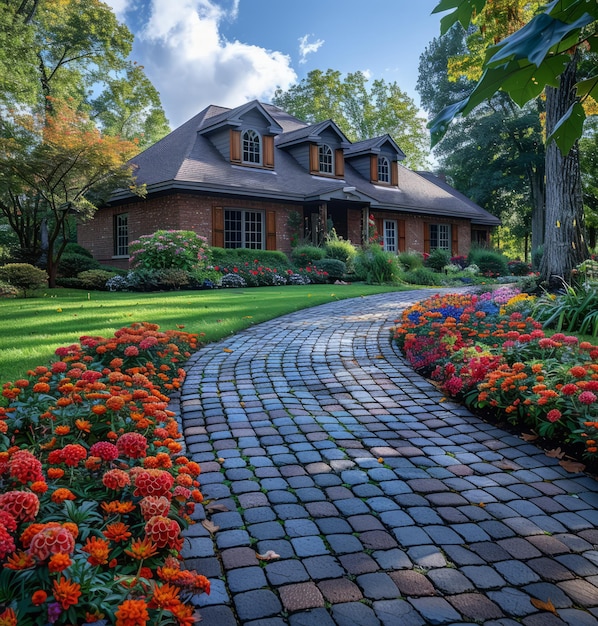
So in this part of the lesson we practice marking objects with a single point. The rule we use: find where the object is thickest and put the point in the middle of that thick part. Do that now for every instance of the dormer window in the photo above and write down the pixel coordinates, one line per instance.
(325, 159)
(251, 147)
(383, 170)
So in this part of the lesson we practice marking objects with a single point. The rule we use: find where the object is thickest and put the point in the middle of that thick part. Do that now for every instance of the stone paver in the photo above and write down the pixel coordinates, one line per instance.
(385, 503)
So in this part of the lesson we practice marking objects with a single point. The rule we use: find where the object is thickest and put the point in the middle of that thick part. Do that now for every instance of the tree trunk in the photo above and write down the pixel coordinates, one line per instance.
(565, 245)
(538, 197)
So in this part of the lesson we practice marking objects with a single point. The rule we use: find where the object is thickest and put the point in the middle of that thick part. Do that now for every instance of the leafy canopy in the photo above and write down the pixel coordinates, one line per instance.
(528, 60)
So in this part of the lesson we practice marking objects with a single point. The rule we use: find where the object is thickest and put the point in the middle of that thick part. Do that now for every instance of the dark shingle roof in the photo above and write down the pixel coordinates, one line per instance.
(187, 160)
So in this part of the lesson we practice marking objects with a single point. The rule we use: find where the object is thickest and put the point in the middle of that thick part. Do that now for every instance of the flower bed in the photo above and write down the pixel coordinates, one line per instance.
(95, 490)
(497, 361)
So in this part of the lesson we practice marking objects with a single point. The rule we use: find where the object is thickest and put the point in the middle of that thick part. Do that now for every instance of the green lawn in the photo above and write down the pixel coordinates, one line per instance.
(33, 328)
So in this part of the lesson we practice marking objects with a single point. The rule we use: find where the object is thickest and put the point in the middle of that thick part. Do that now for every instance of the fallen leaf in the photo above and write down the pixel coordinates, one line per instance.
(443, 399)
(268, 556)
(572, 466)
(380, 460)
(217, 507)
(242, 404)
(226, 350)
(544, 606)
(557, 453)
(379, 356)
(529, 436)
(180, 325)
(220, 460)
(481, 504)
(507, 465)
(209, 526)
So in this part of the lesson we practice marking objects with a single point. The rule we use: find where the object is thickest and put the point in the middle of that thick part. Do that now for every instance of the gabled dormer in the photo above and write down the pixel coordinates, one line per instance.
(319, 148)
(244, 136)
(377, 160)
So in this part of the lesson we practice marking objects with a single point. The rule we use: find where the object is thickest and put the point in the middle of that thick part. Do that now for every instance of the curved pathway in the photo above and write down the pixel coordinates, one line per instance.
(386, 504)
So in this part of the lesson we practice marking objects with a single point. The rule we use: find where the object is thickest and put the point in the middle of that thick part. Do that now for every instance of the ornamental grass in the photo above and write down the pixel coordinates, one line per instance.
(481, 350)
(95, 490)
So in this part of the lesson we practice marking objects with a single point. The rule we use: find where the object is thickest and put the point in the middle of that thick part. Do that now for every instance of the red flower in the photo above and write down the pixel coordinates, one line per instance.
(133, 445)
(554, 415)
(153, 482)
(154, 505)
(105, 450)
(587, 397)
(7, 543)
(25, 467)
(164, 532)
(22, 505)
(72, 453)
(116, 479)
(39, 597)
(52, 540)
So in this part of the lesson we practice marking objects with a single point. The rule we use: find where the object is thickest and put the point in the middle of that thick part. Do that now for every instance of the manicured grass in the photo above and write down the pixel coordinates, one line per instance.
(33, 328)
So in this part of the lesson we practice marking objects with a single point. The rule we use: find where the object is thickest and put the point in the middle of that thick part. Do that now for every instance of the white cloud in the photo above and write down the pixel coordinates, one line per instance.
(193, 66)
(308, 47)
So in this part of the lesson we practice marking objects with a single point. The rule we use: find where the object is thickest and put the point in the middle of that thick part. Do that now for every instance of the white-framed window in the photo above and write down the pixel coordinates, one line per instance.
(244, 229)
(383, 170)
(325, 159)
(440, 236)
(251, 144)
(390, 236)
(121, 234)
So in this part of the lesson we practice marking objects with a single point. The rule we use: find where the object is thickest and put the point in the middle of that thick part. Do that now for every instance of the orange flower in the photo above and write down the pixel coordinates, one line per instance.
(41, 388)
(39, 486)
(8, 618)
(98, 409)
(55, 472)
(115, 403)
(39, 597)
(66, 592)
(132, 613)
(83, 425)
(165, 597)
(98, 551)
(118, 531)
(62, 430)
(142, 549)
(61, 494)
(59, 562)
(19, 561)
(118, 508)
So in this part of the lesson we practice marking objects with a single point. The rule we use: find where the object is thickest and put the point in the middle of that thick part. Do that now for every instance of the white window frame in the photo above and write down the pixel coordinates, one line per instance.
(440, 236)
(325, 159)
(251, 147)
(249, 229)
(121, 235)
(390, 236)
(383, 170)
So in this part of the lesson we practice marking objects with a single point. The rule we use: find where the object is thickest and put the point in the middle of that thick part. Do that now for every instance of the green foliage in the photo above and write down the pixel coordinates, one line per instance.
(573, 310)
(24, 276)
(94, 279)
(376, 266)
(489, 262)
(335, 268)
(302, 255)
(361, 108)
(410, 260)
(75, 248)
(7, 290)
(71, 264)
(421, 276)
(173, 278)
(438, 259)
(168, 249)
(340, 249)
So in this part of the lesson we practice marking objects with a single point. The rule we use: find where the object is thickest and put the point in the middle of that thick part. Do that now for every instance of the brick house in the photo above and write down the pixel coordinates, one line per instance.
(257, 177)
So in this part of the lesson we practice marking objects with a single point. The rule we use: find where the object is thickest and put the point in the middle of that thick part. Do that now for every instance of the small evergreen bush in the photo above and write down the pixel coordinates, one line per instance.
(410, 260)
(422, 276)
(75, 248)
(377, 267)
(24, 276)
(333, 267)
(305, 255)
(71, 264)
(438, 259)
(490, 262)
(7, 290)
(94, 279)
(341, 250)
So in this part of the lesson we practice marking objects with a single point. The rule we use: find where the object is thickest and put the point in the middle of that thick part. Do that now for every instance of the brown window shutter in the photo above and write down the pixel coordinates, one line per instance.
(455, 239)
(268, 158)
(380, 227)
(373, 168)
(394, 173)
(426, 238)
(339, 163)
(217, 227)
(235, 146)
(314, 161)
(271, 230)
(401, 235)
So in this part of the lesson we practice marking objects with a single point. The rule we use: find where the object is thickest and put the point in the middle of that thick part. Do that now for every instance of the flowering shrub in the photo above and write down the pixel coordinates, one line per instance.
(167, 249)
(504, 362)
(95, 490)
(257, 275)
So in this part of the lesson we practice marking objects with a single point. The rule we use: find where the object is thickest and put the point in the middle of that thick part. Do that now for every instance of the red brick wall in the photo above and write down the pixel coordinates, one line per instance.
(174, 212)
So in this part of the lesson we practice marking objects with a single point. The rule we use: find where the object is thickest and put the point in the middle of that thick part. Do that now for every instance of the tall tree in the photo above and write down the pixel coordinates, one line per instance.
(362, 110)
(542, 54)
(69, 65)
(495, 156)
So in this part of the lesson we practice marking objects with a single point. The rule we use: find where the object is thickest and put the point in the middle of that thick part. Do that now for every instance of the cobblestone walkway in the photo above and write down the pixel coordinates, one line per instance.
(386, 504)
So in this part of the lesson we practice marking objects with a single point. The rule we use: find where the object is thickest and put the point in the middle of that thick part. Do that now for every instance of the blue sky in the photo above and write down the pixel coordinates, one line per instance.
(225, 52)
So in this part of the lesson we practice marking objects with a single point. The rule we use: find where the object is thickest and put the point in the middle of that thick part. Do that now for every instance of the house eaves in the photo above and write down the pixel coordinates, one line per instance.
(234, 118)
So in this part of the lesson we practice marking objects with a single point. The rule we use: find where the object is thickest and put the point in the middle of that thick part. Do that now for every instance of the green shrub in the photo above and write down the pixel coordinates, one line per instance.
(490, 262)
(376, 266)
(24, 276)
(341, 250)
(143, 280)
(75, 248)
(438, 259)
(335, 269)
(7, 290)
(173, 278)
(167, 249)
(422, 276)
(94, 279)
(71, 264)
(304, 255)
(237, 257)
(410, 260)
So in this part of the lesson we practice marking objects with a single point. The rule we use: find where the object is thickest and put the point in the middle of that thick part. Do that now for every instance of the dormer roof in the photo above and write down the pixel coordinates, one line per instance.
(233, 118)
(311, 133)
(374, 146)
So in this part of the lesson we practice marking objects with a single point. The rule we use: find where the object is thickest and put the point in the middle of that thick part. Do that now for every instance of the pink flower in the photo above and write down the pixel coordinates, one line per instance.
(569, 390)
(131, 351)
(587, 397)
(554, 415)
